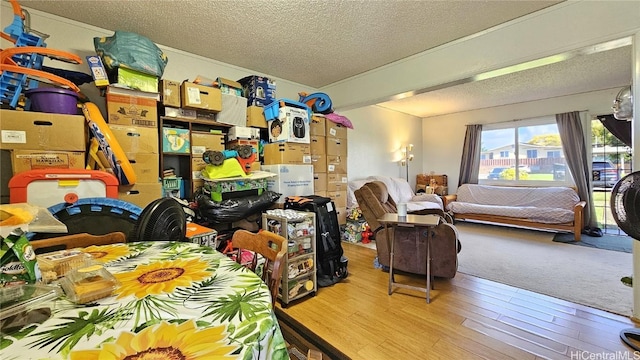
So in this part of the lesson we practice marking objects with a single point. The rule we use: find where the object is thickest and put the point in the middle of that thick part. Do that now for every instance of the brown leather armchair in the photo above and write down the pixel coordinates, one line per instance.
(410, 243)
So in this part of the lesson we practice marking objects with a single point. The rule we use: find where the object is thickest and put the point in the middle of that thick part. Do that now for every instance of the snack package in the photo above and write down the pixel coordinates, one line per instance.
(86, 284)
(18, 263)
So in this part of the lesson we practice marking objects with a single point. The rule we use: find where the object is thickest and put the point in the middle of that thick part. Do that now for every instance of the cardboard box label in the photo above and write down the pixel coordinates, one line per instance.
(14, 137)
(25, 160)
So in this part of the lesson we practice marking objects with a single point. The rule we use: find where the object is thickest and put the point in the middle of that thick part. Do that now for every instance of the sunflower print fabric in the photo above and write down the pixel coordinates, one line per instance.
(175, 301)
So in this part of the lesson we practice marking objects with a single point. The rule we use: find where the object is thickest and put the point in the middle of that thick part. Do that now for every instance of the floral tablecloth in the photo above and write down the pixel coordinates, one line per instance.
(175, 301)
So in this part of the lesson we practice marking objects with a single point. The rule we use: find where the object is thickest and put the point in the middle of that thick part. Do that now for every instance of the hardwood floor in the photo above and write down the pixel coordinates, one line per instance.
(468, 318)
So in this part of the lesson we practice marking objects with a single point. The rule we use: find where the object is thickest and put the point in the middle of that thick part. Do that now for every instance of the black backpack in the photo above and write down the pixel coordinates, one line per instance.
(332, 264)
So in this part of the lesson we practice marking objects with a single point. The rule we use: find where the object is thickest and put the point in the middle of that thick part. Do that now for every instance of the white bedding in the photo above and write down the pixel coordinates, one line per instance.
(551, 205)
(399, 190)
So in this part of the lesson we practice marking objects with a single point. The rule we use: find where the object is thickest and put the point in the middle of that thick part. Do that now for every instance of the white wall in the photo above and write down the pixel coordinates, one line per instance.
(77, 38)
(443, 136)
(377, 139)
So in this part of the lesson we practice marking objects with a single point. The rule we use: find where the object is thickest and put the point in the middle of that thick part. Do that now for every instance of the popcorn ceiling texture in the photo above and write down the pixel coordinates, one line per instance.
(314, 43)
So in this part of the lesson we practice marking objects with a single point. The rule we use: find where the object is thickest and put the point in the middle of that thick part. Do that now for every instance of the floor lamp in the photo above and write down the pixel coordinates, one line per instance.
(407, 156)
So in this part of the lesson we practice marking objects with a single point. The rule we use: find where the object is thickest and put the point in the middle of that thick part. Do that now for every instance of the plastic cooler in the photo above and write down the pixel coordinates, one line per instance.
(47, 187)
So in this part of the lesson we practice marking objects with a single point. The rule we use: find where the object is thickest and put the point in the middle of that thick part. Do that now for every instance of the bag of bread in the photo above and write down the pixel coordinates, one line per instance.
(18, 263)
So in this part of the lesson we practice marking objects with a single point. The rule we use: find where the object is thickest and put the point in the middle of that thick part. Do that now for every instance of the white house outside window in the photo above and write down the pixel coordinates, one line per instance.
(531, 146)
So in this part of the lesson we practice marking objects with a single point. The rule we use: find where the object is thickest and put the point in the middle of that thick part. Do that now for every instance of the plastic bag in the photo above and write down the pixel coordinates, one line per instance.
(132, 51)
(230, 210)
(18, 262)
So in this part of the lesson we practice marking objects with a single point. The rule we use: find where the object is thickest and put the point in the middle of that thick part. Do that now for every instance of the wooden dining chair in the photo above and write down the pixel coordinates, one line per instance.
(76, 240)
(272, 247)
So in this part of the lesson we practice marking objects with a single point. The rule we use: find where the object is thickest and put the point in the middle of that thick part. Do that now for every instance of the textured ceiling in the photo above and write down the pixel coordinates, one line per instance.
(317, 43)
(314, 43)
(580, 74)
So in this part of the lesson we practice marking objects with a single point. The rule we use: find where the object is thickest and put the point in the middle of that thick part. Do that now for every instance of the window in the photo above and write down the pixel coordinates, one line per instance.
(531, 146)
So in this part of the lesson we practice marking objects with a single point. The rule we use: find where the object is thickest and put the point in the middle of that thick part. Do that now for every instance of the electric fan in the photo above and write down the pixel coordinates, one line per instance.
(625, 208)
(162, 220)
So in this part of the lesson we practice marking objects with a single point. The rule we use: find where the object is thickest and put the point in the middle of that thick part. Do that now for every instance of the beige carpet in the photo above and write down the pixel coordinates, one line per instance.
(530, 260)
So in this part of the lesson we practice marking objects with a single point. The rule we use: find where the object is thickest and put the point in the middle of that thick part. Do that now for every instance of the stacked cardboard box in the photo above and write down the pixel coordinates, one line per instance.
(36, 140)
(289, 153)
(336, 165)
(133, 120)
(201, 142)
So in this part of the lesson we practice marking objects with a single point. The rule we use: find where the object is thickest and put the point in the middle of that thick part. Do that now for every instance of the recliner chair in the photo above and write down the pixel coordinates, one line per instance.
(410, 243)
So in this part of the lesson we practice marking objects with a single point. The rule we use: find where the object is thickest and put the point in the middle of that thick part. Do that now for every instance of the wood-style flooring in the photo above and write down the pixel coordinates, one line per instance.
(468, 318)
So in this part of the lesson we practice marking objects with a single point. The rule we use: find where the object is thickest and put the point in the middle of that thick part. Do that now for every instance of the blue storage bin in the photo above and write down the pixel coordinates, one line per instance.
(272, 111)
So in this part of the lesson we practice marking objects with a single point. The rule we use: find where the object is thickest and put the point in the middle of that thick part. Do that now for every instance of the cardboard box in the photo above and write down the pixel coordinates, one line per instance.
(243, 132)
(335, 130)
(99, 73)
(197, 165)
(140, 194)
(196, 184)
(180, 113)
(136, 139)
(319, 163)
(318, 145)
(170, 93)
(322, 193)
(145, 166)
(287, 153)
(234, 110)
(194, 96)
(342, 215)
(176, 140)
(259, 90)
(319, 181)
(227, 86)
(24, 160)
(292, 180)
(317, 125)
(255, 166)
(336, 164)
(292, 125)
(337, 182)
(128, 107)
(202, 141)
(255, 117)
(29, 130)
(5, 175)
(255, 144)
(339, 198)
(336, 146)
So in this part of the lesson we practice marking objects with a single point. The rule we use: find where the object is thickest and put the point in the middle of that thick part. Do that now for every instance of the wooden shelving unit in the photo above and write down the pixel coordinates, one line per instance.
(182, 163)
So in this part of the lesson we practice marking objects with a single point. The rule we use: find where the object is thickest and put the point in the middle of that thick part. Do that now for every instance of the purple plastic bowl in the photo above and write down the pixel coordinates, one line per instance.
(53, 100)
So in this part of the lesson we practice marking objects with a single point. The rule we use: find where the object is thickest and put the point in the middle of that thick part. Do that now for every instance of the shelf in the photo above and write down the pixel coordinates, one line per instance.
(299, 274)
(169, 119)
(176, 154)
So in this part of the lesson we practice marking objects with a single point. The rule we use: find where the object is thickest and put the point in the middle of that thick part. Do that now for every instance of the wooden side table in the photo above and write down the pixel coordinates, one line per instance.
(393, 220)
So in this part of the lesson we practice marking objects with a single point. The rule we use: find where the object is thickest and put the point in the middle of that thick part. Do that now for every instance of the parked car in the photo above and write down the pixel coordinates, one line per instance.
(524, 168)
(604, 174)
(495, 173)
